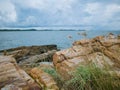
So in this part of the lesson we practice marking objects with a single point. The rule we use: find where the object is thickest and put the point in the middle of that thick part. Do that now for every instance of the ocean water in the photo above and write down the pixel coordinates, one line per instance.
(12, 39)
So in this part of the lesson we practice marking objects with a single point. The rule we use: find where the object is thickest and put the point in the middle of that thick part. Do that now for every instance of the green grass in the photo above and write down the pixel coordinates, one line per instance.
(87, 78)
(93, 78)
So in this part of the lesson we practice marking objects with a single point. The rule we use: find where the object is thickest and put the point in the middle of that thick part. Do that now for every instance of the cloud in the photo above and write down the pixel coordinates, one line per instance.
(7, 12)
(46, 5)
(102, 13)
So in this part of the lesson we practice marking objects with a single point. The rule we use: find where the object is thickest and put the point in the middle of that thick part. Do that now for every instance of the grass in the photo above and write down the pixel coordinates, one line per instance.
(87, 78)
(93, 78)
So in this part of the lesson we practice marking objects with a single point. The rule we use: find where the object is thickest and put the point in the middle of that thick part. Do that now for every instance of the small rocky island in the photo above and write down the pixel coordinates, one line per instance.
(90, 64)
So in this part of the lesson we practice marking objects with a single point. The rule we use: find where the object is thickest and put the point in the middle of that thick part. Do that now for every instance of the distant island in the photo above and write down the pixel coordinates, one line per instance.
(18, 30)
(41, 30)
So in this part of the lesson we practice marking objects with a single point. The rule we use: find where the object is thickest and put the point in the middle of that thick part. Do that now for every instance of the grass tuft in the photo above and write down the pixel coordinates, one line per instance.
(93, 78)
(88, 77)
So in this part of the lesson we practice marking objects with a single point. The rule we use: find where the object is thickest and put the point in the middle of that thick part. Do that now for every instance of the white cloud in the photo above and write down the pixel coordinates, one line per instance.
(30, 20)
(93, 8)
(101, 14)
(7, 11)
(111, 10)
(60, 12)
(50, 6)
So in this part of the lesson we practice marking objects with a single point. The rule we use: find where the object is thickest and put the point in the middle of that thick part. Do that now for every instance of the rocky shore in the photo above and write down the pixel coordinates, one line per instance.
(16, 63)
(102, 51)
(47, 68)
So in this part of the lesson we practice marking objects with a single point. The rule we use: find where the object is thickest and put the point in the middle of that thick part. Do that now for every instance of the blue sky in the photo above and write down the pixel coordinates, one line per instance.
(94, 14)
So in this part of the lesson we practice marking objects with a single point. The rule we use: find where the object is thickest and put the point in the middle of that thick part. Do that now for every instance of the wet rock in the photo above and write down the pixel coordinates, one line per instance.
(13, 76)
(44, 79)
(99, 50)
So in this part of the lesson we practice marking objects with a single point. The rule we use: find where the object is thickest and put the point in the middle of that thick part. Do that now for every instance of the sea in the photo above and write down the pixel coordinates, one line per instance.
(63, 39)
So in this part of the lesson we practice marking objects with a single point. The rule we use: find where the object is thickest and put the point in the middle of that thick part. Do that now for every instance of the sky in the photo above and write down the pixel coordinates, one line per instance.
(93, 14)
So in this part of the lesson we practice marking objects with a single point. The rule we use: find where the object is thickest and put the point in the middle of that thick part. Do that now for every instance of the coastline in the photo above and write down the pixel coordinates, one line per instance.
(36, 62)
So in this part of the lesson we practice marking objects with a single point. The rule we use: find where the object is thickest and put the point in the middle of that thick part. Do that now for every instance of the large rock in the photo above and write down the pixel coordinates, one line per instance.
(11, 76)
(25, 52)
(44, 79)
(100, 50)
(29, 57)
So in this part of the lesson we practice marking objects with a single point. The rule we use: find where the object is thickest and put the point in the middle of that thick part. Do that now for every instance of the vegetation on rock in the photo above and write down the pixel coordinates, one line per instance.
(93, 78)
(88, 77)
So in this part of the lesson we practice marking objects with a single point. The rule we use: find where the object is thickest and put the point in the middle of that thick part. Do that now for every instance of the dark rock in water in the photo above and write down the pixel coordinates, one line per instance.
(25, 52)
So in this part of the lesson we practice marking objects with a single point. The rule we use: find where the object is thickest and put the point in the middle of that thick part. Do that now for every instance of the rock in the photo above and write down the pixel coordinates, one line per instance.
(48, 56)
(30, 56)
(44, 79)
(44, 65)
(25, 52)
(11, 76)
(99, 50)
(11, 87)
(34, 61)
(118, 36)
(110, 36)
(14, 87)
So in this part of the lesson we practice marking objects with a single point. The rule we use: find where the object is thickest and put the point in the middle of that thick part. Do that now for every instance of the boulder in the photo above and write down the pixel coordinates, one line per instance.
(44, 79)
(11, 76)
(100, 50)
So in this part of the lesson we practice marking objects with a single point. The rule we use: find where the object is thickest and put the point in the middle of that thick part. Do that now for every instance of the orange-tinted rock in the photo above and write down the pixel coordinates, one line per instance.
(100, 50)
(44, 65)
(44, 79)
(11, 74)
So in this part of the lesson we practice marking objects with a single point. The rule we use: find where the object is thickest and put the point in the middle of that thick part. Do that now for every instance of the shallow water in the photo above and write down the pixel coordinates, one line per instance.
(12, 39)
